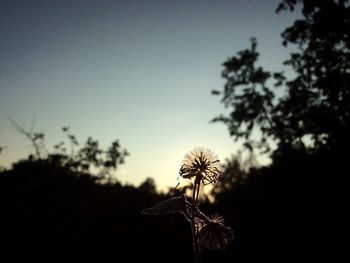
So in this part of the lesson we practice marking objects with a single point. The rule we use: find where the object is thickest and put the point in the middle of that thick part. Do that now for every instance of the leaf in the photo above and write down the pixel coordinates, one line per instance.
(170, 206)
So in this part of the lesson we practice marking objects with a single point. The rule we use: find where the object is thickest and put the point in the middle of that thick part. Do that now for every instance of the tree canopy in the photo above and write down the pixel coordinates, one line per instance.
(314, 111)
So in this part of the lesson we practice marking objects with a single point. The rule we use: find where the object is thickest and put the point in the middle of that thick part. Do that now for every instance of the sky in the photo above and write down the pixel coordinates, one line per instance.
(138, 71)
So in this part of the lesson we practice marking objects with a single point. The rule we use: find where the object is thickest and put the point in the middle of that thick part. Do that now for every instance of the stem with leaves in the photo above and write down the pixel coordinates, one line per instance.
(201, 167)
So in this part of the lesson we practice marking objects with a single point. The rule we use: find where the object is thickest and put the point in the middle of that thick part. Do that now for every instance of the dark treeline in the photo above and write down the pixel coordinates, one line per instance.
(54, 209)
(51, 213)
(280, 213)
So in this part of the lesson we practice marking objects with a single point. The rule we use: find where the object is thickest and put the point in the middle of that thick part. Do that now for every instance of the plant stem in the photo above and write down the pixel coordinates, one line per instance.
(195, 193)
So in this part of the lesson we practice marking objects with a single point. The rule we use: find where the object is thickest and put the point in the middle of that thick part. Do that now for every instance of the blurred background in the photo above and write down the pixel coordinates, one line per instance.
(101, 100)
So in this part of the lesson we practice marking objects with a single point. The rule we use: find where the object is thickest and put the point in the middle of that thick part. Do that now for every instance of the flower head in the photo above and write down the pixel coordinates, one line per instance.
(213, 234)
(201, 164)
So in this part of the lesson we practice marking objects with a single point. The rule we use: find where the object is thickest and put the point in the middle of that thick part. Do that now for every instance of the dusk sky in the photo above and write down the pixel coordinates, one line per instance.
(138, 71)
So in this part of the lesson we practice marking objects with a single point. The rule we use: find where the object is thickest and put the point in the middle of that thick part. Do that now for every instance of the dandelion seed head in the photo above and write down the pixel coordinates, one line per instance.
(213, 234)
(201, 164)
(217, 219)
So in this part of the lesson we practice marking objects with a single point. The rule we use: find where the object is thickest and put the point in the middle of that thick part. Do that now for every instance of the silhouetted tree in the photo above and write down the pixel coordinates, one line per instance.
(54, 208)
(236, 171)
(278, 211)
(314, 110)
(148, 186)
(90, 156)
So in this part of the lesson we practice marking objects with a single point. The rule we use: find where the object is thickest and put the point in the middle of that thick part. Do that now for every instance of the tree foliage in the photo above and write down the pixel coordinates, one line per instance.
(89, 158)
(314, 112)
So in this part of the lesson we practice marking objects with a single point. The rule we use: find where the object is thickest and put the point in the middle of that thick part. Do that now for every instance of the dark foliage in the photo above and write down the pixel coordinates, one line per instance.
(292, 210)
(314, 112)
(281, 213)
(51, 213)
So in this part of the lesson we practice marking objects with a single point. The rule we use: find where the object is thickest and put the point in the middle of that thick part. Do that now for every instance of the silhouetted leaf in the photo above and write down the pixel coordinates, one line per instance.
(170, 206)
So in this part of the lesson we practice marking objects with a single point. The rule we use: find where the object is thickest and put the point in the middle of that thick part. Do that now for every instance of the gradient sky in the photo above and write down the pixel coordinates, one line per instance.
(139, 71)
